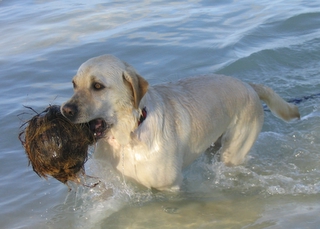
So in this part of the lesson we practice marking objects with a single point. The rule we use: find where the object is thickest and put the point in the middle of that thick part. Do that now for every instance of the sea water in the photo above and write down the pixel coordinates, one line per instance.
(276, 43)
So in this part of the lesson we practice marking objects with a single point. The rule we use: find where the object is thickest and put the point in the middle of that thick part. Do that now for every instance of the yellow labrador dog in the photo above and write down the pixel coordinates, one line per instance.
(150, 133)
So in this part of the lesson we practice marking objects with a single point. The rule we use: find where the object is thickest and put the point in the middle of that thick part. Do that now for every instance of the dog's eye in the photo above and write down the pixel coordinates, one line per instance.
(98, 86)
(74, 84)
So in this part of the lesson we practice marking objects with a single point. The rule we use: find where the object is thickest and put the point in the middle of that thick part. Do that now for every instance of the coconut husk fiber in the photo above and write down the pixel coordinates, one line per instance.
(55, 146)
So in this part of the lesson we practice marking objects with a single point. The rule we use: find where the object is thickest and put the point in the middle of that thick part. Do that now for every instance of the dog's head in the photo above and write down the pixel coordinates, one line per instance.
(105, 88)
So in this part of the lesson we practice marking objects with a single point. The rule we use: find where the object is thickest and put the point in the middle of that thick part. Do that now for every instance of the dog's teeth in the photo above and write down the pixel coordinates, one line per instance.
(95, 134)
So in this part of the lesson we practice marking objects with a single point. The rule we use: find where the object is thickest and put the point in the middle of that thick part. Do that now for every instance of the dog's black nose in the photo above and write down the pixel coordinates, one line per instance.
(70, 111)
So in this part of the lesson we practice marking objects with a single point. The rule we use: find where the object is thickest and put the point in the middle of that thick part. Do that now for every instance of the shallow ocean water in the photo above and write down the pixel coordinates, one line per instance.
(274, 43)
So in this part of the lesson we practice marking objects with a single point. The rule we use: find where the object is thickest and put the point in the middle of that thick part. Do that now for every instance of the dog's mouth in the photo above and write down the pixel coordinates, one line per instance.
(99, 127)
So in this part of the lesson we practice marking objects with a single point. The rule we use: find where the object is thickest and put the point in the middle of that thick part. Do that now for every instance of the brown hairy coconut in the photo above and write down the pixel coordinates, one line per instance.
(55, 146)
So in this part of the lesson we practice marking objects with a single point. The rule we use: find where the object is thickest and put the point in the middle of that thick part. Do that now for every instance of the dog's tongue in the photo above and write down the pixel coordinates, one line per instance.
(98, 126)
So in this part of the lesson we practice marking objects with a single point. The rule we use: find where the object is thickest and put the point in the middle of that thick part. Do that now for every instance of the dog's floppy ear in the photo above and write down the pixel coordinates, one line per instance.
(138, 86)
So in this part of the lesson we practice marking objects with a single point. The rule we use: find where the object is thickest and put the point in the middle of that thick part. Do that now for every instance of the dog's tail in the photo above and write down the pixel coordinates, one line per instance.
(277, 105)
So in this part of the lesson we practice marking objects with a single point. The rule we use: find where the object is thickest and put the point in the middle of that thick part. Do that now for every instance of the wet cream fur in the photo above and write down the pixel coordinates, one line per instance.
(183, 119)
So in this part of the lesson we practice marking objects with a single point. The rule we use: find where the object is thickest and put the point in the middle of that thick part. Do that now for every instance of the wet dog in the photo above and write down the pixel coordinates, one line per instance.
(150, 133)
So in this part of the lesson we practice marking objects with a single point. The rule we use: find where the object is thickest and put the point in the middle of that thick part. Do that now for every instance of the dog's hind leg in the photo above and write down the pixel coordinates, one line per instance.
(239, 138)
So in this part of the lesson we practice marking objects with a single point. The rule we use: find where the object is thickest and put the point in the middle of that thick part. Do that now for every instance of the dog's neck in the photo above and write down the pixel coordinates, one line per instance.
(127, 124)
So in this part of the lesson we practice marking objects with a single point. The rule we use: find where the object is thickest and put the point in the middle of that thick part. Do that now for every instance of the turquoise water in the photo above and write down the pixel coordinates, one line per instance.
(276, 43)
